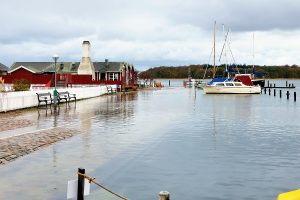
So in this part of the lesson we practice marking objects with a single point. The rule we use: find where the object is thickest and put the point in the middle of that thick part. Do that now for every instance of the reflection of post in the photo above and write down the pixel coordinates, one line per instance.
(54, 156)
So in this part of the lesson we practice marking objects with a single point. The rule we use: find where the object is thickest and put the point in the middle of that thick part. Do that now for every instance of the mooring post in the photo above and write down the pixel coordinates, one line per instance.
(80, 190)
(268, 83)
(287, 94)
(164, 195)
(274, 85)
(269, 91)
(289, 85)
(274, 92)
(295, 97)
(286, 83)
(265, 90)
(280, 93)
(169, 83)
(292, 84)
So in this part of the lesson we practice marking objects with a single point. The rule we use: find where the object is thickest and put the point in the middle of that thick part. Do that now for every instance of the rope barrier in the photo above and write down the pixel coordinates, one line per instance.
(90, 179)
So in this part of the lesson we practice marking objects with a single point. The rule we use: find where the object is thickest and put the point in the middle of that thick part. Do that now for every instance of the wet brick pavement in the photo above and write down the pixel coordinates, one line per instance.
(14, 147)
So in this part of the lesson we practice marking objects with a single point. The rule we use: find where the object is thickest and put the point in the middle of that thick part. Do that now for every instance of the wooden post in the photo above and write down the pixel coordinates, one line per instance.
(295, 97)
(287, 94)
(268, 83)
(292, 84)
(265, 90)
(286, 83)
(274, 85)
(289, 85)
(274, 92)
(280, 93)
(80, 189)
(169, 83)
(269, 91)
(164, 195)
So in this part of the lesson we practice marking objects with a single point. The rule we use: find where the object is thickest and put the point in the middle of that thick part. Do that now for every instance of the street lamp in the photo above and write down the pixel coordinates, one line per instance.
(55, 94)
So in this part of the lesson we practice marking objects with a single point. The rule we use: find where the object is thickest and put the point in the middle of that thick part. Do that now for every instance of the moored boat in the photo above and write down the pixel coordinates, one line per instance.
(240, 84)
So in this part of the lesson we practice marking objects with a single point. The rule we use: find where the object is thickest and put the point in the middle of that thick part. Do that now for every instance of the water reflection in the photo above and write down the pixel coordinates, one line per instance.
(206, 146)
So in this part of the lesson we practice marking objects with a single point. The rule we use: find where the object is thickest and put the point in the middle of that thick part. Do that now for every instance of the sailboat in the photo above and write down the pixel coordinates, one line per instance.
(239, 84)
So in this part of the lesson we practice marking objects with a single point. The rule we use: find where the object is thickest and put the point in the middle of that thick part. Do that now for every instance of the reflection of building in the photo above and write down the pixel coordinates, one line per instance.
(73, 73)
(3, 69)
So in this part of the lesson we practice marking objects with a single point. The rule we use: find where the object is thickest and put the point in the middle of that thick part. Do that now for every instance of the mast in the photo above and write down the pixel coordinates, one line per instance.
(214, 72)
(253, 51)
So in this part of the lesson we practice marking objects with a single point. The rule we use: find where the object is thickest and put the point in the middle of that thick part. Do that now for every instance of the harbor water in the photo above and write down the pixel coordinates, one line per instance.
(196, 146)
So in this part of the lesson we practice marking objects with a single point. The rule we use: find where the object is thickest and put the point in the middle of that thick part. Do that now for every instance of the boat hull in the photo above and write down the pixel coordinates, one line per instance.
(232, 90)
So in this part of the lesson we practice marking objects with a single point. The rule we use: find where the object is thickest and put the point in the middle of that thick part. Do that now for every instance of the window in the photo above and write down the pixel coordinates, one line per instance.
(113, 76)
(238, 84)
(229, 84)
(220, 84)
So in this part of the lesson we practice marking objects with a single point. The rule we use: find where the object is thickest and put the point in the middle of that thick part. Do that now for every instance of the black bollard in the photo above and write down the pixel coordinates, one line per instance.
(295, 97)
(265, 90)
(274, 92)
(80, 190)
(269, 91)
(280, 93)
(287, 94)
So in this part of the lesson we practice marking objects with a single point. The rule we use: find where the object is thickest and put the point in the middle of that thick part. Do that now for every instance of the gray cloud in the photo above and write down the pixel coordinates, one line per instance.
(154, 32)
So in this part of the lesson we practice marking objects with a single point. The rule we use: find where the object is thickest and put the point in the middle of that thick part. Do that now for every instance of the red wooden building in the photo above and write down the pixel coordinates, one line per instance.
(42, 74)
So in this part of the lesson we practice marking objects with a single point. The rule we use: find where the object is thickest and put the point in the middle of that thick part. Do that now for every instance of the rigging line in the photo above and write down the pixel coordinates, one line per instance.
(207, 63)
(224, 45)
(90, 179)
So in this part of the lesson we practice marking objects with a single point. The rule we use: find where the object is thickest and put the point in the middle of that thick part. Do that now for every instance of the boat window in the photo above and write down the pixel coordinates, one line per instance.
(238, 84)
(220, 84)
(229, 84)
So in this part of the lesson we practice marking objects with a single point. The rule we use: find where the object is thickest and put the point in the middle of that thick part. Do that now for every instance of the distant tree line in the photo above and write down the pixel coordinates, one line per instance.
(197, 71)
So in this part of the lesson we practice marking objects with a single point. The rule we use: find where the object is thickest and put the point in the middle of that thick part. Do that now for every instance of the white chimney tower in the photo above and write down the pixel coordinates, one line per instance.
(86, 66)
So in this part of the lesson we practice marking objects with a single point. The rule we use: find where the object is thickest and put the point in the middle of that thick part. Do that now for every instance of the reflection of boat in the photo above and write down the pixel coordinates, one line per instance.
(240, 84)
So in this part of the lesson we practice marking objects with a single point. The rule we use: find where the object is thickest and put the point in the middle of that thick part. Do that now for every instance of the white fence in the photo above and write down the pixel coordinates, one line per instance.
(18, 100)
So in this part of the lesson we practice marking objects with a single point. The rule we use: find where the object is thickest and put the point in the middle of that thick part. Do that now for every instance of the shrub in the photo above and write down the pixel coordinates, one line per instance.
(21, 85)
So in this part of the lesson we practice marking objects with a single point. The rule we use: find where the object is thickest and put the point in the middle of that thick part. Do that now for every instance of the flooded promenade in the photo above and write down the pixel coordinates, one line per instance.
(193, 145)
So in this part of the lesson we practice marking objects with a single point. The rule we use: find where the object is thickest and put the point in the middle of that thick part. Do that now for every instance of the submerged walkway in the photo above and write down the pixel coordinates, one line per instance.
(13, 147)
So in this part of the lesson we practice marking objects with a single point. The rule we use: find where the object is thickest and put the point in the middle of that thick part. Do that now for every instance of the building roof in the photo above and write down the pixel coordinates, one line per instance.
(3, 68)
(46, 67)
(68, 67)
(111, 66)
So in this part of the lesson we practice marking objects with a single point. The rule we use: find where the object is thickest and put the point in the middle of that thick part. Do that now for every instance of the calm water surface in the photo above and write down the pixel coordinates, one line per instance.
(196, 146)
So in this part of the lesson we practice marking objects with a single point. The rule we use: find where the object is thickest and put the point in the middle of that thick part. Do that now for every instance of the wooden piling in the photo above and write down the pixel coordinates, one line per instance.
(295, 97)
(265, 90)
(80, 190)
(286, 83)
(289, 85)
(269, 91)
(268, 84)
(287, 94)
(280, 93)
(169, 83)
(164, 195)
(274, 92)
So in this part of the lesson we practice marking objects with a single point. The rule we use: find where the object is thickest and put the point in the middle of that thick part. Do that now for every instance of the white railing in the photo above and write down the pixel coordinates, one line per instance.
(18, 100)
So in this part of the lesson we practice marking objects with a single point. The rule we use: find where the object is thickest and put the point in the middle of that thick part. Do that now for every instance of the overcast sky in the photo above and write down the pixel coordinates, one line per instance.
(150, 33)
